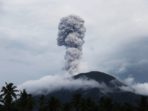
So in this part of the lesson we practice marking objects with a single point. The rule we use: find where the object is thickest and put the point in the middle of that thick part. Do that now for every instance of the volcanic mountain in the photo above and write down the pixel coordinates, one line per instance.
(111, 87)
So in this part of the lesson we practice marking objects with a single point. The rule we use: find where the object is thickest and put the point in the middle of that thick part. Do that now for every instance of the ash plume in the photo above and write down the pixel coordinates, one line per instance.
(71, 34)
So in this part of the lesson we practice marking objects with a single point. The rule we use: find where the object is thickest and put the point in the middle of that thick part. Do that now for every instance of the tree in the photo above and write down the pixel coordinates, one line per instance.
(76, 101)
(30, 103)
(54, 104)
(143, 106)
(67, 106)
(1, 102)
(42, 104)
(25, 102)
(8, 94)
(105, 104)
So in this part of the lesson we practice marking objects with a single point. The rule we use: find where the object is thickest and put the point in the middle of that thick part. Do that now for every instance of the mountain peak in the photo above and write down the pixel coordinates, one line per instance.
(111, 88)
(100, 77)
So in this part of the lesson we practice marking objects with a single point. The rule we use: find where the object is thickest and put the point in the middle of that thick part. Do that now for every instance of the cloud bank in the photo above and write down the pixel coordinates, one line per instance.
(50, 83)
(139, 88)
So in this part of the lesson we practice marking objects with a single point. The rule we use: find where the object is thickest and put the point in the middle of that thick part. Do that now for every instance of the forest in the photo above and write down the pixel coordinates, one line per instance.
(12, 99)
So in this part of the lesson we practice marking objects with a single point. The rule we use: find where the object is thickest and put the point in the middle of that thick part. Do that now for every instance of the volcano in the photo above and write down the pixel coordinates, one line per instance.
(112, 89)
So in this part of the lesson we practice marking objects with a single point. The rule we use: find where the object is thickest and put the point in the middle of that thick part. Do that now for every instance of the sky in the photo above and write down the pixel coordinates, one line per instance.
(115, 41)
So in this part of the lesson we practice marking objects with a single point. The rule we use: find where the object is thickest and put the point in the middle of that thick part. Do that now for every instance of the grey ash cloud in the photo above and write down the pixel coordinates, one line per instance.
(71, 34)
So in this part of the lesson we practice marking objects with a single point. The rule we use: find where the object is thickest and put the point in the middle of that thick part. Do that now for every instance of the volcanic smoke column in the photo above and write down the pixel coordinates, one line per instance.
(71, 34)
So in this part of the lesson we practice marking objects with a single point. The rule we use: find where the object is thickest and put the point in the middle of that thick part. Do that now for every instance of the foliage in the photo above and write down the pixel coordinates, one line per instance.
(8, 95)
(27, 102)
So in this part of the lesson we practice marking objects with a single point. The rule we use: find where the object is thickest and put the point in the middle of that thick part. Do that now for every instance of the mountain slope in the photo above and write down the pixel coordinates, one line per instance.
(110, 88)
(100, 77)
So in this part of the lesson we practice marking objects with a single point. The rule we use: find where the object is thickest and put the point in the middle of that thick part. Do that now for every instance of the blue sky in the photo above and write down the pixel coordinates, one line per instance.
(115, 42)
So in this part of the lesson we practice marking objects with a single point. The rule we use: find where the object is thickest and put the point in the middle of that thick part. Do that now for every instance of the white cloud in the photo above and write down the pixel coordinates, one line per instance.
(139, 88)
(129, 80)
(52, 83)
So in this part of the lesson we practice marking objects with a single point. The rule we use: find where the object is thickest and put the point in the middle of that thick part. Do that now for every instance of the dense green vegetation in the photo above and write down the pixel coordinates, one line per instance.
(12, 99)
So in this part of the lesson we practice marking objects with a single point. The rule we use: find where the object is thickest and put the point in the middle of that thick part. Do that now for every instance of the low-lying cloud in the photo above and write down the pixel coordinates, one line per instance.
(52, 83)
(139, 88)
